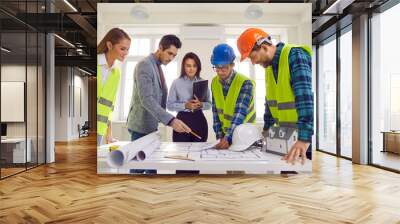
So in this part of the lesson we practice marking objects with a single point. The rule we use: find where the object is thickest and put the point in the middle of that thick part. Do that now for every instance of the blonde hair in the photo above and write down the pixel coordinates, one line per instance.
(115, 35)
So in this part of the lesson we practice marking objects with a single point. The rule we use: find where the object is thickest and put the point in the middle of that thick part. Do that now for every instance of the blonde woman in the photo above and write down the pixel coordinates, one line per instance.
(114, 46)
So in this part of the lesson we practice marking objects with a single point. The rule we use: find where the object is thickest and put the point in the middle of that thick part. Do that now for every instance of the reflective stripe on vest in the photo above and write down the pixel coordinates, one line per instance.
(279, 95)
(225, 106)
(106, 95)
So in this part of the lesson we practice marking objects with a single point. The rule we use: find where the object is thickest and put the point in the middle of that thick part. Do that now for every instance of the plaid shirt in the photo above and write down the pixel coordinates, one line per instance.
(300, 80)
(241, 108)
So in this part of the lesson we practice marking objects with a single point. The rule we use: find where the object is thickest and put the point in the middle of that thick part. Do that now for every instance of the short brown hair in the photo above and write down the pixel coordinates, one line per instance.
(168, 40)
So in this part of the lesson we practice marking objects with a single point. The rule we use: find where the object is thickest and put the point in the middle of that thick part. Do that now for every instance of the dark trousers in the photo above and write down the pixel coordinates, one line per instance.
(135, 135)
(197, 122)
(309, 152)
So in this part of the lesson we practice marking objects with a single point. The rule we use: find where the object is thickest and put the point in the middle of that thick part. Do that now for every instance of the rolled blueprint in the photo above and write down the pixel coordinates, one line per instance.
(138, 150)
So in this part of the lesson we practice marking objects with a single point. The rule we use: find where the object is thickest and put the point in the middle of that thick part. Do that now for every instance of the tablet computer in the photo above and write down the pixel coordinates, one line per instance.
(200, 89)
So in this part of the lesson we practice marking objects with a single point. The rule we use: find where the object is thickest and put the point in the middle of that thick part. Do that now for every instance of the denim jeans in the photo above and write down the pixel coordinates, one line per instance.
(99, 140)
(135, 135)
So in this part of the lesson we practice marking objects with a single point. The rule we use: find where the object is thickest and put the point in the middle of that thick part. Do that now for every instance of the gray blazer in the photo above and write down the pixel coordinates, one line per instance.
(148, 98)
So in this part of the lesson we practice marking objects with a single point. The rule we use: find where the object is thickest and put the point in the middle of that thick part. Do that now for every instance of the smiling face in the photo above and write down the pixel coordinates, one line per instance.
(190, 68)
(119, 50)
(167, 55)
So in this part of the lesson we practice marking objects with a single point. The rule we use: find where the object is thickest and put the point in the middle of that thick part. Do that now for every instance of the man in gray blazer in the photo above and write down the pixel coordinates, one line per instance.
(150, 92)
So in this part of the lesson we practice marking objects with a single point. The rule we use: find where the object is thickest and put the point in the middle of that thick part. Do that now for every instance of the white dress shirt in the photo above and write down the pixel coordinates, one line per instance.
(104, 68)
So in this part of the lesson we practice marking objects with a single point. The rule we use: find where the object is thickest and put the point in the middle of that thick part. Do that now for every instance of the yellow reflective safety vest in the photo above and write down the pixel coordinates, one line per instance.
(106, 95)
(226, 105)
(279, 95)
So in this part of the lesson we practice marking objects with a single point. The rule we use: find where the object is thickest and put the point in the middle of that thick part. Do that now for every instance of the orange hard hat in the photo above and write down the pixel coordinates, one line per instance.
(248, 39)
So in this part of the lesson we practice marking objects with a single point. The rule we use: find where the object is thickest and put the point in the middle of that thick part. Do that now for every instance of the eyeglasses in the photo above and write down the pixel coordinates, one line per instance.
(223, 67)
(265, 40)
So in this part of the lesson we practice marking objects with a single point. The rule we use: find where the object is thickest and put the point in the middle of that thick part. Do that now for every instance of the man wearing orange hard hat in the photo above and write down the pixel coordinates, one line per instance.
(289, 96)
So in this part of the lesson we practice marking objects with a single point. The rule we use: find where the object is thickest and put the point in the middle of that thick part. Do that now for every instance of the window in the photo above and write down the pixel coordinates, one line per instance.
(346, 94)
(327, 96)
(139, 47)
(385, 88)
(130, 67)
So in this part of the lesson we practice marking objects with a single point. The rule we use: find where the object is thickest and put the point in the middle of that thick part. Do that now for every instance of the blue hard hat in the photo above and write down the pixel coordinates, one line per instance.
(223, 54)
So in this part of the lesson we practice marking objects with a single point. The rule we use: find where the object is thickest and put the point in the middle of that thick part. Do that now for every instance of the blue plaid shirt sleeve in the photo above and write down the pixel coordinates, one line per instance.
(242, 108)
(217, 126)
(301, 82)
(268, 119)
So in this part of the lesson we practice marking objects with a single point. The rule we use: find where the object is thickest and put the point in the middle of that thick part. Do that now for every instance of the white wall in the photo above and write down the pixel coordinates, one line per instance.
(67, 114)
(12, 73)
(33, 126)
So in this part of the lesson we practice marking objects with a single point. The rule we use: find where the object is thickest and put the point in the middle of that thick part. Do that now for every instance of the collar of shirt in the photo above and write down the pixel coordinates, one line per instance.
(275, 59)
(155, 59)
(103, 61)
(187, 78)
(229, 80)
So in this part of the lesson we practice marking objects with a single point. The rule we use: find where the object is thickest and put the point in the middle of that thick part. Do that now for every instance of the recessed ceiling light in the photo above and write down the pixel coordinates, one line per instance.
(140, 12)
(253, 12)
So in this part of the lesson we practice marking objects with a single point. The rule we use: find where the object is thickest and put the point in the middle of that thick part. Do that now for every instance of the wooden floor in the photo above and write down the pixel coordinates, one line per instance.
(70, 191)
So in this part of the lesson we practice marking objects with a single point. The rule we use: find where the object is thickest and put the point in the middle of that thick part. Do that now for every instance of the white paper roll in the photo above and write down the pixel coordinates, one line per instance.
(139, 150)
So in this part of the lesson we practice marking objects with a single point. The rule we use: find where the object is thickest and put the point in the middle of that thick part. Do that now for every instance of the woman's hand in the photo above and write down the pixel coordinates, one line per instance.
(193, 104)
(197, 102)
(190, 105)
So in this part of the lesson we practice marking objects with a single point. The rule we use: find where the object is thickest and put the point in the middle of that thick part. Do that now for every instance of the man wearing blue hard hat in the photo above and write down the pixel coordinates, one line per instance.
(233, 96)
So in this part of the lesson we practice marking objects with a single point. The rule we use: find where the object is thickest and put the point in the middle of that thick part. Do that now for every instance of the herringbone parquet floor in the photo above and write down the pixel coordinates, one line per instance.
(70, 191)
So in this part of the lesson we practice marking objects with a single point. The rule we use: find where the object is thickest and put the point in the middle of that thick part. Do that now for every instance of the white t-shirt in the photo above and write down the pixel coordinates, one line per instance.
(105, 70)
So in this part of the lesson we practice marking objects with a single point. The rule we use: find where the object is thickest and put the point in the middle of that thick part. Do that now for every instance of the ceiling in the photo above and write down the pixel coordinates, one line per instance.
(77, 24)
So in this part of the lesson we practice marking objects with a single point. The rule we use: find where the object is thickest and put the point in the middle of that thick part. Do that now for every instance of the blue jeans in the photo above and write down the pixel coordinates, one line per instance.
(134, 136)
(99, 140)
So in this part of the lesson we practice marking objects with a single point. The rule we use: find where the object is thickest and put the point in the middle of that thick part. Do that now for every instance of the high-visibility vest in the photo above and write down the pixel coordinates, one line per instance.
(106, 95)
(226, 105)
(279, 95)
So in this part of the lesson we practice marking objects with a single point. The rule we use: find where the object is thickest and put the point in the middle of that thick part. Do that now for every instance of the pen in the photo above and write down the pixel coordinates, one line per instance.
(179, 157)
(197, 136)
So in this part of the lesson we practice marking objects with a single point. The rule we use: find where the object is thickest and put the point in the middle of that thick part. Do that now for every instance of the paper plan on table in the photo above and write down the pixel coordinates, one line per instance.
(202, 151)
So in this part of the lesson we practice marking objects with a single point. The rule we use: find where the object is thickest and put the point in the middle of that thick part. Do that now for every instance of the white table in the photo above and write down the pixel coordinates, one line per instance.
(18, 149)
(267, 163)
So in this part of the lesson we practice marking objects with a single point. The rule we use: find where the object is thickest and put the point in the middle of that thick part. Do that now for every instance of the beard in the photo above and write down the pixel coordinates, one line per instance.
(265, 64)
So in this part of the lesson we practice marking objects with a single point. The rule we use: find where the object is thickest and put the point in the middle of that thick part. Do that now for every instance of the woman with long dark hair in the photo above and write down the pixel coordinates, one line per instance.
(180, 99)
(114, 46)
